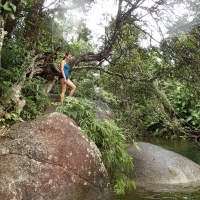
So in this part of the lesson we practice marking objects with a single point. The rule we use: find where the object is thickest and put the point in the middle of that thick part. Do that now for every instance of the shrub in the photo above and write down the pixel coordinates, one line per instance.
(108, 137)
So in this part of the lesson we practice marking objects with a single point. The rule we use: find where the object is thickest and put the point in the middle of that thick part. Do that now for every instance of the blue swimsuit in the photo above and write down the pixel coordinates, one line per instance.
(66, 71)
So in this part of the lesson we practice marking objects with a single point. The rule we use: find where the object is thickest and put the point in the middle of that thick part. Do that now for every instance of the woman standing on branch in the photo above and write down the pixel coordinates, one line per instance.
(64, 77)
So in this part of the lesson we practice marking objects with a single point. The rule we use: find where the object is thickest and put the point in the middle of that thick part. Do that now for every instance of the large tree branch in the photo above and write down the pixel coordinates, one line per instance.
(105, 53)
(121, 18)
(123, 76)
(41, 64)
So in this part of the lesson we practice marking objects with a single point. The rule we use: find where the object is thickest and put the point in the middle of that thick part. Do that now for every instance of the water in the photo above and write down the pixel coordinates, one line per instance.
(184, 147)
(147, 195)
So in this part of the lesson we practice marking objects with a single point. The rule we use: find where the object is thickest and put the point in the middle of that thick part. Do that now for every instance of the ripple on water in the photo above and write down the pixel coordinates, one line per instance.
(187, 195)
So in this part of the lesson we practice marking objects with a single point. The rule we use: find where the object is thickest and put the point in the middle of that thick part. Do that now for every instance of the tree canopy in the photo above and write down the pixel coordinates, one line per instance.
(146, 44)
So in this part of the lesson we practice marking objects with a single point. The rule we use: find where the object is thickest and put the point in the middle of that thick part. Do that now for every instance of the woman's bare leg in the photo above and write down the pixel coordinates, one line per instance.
(71, 84)
(63, 90)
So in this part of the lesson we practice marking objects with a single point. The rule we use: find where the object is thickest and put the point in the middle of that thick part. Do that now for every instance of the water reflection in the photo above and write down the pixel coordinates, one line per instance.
(143, 195)
(183, 147)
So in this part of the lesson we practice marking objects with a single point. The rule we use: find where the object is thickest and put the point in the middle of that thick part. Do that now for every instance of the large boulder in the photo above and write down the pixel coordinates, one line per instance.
(156, 165)
(102, 110)
(51, 159)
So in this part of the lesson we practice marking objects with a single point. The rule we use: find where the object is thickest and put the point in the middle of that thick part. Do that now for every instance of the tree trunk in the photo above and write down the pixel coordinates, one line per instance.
(2, 35)
(10, 23)
(33, 23)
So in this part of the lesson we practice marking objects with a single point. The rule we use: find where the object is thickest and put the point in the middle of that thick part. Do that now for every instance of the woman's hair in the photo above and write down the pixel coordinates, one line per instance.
(67, 54)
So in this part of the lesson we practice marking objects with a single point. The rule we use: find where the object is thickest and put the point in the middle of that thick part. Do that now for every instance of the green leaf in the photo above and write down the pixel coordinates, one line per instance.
(189, 118)
(12, 16)
(6, 6)
(13, 7)
(136, 145)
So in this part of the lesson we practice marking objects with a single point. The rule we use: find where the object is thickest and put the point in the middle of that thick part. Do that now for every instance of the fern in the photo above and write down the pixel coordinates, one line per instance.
(36, 98)
(108, 137)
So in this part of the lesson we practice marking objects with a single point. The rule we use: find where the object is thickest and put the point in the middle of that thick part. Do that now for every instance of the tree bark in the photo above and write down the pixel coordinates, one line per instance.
(10, 23)
(2, 35)
(33, 23)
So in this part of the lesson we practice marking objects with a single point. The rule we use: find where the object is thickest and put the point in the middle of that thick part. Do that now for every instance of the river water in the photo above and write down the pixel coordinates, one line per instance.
(184, 147)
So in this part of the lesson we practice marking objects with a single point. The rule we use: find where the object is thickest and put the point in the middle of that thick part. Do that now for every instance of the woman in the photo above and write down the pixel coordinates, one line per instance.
(64, 77)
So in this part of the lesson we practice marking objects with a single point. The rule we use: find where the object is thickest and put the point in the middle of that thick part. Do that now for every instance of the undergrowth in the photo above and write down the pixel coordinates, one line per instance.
(108, 137)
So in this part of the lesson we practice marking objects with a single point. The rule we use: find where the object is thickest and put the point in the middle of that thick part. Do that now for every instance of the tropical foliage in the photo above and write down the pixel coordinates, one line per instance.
(145, 66)
(108, 137)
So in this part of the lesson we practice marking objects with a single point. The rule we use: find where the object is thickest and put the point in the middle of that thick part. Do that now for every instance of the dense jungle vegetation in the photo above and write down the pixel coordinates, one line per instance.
(145, 66)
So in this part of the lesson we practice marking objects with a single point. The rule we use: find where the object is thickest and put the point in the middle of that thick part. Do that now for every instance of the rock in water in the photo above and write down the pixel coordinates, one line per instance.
(156, 165)
(51, 159)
